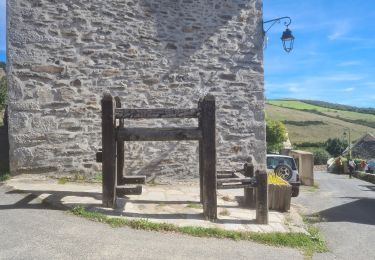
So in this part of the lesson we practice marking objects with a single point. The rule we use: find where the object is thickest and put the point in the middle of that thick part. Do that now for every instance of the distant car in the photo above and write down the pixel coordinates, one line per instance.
(285, 167)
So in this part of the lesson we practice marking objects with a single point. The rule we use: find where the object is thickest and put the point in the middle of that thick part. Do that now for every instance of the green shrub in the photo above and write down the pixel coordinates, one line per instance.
(320, 156)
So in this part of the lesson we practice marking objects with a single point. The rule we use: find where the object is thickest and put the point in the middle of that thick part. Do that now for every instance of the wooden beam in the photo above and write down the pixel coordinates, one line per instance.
(234, 186)
(208, 156)
(128, 190)
(249, 194)
(159, 134)
(261, 197)
(109, 152)
(157, 113)
(120, 147)
(233, 180)
(132, 180)
(224, 175)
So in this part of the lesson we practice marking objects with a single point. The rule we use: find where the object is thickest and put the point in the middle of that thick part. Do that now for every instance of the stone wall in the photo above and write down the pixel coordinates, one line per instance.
(63, 54)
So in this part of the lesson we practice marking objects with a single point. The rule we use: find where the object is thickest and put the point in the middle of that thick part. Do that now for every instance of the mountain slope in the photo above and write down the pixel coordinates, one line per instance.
(319, 125)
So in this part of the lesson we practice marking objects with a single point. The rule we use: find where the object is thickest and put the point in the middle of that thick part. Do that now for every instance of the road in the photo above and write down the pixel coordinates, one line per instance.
(30, 230)
(346, 209)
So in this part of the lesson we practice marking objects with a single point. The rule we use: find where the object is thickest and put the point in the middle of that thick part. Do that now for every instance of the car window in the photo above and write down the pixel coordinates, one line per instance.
(273, 162)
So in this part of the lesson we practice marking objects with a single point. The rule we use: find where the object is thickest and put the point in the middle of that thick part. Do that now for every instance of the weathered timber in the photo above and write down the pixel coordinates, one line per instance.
(238, 175)
(159, 134)
(208, 156)
(109, 151)
(132, 180)
(224, 175)
(157, 113)
(249, 193)
(234, 186)
(261, 197)
(234, 180)
(120, 147)
(99, 156)
(128, 190)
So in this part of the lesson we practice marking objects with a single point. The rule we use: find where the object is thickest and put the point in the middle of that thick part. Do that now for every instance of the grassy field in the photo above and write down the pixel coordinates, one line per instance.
(331, 128)
(295, 104)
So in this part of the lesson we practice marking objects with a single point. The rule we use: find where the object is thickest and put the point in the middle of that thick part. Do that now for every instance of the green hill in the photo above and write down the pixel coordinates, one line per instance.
(308, 122)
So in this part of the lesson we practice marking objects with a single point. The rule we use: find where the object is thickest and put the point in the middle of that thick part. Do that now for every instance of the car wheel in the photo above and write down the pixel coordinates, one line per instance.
(295, 191)
(284, 171)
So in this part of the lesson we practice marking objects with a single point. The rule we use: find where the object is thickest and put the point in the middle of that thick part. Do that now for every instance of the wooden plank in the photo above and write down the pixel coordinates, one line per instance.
(249, 194)
(208, 160)
(132, 180)
(234, 180)
(157, 113)
(159, 134)
(128, 190)
(262, 197)
(99, 157)
(234, 186)
(225, 175)
(109, 152)
(238, 175)
(120, 147)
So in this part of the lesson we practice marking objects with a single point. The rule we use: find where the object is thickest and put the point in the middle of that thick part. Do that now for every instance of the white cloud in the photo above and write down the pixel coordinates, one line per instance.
(341, 28)
(348, 89)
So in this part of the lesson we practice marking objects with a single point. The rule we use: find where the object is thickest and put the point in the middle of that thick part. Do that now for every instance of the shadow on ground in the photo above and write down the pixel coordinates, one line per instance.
(361, 211)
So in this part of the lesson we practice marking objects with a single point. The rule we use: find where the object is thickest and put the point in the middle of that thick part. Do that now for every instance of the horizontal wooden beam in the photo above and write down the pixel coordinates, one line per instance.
(156, 113)
(233, 180)
(224, 175)
(132, 180)
(159, 134)
(233, 186)
(128, 190)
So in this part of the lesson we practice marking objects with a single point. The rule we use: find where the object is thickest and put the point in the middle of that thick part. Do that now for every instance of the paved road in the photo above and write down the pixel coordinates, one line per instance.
(28, 230)
(347, 207)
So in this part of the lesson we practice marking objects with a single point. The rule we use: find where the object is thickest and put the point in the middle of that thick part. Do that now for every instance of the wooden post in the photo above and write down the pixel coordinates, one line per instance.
(109, 151)
(249, 193)
(120, 147)
(200, 148)
(261, 197)
(208, 157)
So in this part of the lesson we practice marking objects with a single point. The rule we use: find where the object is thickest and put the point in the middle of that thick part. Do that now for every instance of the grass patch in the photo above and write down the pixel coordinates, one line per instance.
(4, 177)
(194, 206)
(308, 243)
(99, 178)
(62, 180)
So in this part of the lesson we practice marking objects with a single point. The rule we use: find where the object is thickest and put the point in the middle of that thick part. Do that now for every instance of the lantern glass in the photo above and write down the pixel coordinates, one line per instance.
(288, 40)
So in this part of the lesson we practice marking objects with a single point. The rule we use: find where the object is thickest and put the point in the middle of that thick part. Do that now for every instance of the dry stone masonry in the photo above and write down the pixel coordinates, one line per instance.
(64, 54)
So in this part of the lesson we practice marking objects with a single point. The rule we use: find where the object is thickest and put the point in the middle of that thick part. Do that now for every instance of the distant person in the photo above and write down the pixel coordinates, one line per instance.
(351, 166)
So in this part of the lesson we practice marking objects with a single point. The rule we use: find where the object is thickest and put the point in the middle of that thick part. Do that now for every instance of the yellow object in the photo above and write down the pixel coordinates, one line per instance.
(274, 179)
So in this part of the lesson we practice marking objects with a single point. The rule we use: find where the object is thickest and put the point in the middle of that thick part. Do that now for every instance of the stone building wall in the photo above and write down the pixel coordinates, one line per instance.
(64, 54)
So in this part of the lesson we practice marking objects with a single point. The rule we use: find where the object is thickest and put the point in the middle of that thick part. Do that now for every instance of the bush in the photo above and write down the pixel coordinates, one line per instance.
(321, 156)
(336, 146)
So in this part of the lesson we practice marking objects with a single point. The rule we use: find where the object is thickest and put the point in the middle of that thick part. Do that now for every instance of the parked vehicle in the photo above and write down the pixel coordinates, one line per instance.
(285, 167)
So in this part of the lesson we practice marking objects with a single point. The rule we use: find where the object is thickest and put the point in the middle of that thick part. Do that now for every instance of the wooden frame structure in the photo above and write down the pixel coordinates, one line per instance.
(114, 134)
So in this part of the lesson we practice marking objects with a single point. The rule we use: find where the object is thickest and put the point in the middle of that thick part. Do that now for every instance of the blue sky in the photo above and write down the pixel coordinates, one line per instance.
(334, 51)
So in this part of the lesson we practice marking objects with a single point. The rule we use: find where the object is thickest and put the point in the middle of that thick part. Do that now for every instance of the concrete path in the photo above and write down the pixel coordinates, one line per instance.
(177, 204)
(345, 211)
(30, 230)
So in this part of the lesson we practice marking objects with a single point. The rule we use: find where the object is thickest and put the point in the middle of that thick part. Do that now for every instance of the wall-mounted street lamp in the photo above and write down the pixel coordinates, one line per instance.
(287, 38)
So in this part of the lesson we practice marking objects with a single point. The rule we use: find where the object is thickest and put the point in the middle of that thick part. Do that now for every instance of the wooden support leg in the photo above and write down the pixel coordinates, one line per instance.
(261, 197)
(208, 159)
(109, 151)
(249, 193)
(120, 147)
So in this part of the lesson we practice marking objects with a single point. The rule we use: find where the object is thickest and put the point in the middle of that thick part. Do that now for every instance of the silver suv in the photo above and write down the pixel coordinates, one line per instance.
(285, 167)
